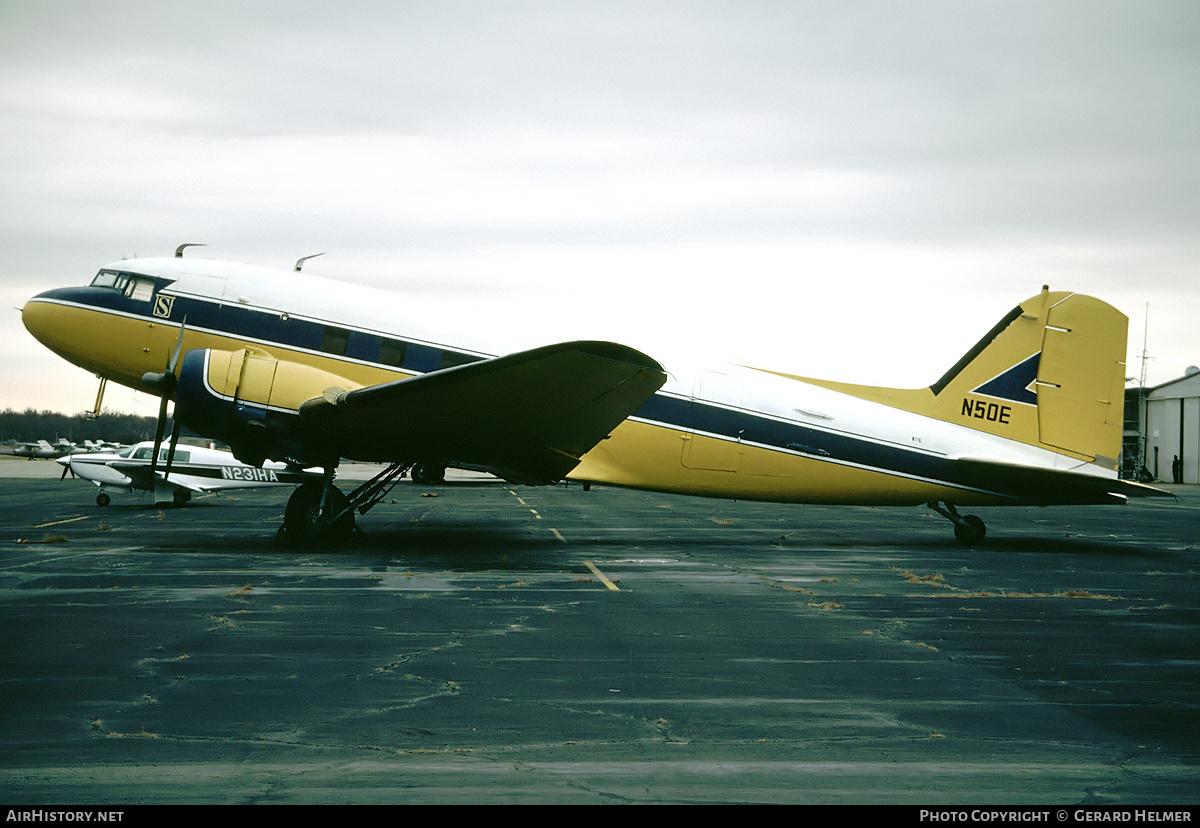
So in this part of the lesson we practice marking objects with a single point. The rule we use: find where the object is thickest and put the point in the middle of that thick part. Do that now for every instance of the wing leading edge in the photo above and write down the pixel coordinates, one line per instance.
(527, 417)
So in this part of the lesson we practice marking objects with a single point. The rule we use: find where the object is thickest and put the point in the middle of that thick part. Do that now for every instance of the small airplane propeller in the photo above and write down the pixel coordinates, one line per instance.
(164, 385)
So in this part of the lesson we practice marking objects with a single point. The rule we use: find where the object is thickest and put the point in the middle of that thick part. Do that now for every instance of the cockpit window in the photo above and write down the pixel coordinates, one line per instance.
(140, 288)
(106, 278)
(133, 286)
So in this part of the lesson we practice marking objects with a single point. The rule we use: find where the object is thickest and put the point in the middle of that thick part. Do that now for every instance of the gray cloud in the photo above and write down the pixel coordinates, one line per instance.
(815, 155)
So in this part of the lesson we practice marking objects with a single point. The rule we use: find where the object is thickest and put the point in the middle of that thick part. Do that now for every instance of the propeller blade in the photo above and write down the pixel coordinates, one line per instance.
(158, 433)
(171, 450)
(173, 362)
(164, 384)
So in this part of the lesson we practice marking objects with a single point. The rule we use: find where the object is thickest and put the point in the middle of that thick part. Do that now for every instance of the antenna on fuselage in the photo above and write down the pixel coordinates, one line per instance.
(300, 262)
(179, 250)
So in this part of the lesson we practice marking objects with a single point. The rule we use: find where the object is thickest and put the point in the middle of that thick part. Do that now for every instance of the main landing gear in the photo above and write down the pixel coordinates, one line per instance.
(319, 513)
(426, 473)
(968, 529)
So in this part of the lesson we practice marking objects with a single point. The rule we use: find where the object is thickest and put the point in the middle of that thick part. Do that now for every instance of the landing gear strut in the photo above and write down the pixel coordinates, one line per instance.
(318, 512)
(968, 529)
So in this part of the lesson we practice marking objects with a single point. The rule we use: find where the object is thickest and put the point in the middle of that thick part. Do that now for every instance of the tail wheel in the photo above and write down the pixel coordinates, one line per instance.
(970, 530)
(304, 522)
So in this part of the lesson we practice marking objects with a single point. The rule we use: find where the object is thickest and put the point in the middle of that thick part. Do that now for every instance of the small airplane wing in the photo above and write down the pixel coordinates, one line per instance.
(139, 474)
(527, 417)
(1044, 487)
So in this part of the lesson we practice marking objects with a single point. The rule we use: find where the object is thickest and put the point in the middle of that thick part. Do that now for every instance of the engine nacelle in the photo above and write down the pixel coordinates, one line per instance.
(251, 400)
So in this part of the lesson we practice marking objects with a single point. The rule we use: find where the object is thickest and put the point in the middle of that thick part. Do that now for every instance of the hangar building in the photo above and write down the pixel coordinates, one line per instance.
(1162, 424)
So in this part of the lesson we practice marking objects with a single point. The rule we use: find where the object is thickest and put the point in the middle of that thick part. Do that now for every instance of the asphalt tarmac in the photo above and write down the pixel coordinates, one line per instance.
(484, 643)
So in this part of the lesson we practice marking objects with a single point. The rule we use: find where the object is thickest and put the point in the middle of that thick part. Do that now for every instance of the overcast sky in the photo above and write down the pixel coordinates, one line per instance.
(853, 190)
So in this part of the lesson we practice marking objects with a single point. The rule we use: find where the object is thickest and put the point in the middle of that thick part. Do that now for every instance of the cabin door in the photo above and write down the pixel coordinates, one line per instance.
(713, 440)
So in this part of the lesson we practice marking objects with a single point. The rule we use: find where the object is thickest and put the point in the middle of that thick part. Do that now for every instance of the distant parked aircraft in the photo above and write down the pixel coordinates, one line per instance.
(43, 449)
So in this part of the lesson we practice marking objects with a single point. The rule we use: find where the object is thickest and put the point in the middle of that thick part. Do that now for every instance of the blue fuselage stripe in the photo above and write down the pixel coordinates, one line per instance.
(663, 409)
(793, 438)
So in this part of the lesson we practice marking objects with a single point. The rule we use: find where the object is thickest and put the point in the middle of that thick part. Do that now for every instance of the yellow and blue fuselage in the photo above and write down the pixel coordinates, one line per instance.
(720, 431)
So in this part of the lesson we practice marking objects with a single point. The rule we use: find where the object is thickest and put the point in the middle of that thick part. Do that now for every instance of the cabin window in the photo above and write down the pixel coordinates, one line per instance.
(334, 341)
(146, 452)
(392, 353)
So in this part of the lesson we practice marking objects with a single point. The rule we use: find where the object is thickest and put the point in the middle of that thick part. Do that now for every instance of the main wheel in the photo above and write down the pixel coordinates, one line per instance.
(428, 473)
(103, 499)
(303, 521)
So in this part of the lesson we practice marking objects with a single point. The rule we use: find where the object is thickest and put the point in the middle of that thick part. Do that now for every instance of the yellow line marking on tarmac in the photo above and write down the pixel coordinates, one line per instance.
(57, 522)
(600, 575)
(535, 514)
(558, 535)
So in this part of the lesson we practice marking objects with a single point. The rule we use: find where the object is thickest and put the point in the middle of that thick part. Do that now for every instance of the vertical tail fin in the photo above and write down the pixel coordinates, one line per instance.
(1052, 373)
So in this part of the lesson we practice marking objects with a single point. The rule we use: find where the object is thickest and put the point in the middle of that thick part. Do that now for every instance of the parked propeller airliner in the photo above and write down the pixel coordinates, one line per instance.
(282, 365)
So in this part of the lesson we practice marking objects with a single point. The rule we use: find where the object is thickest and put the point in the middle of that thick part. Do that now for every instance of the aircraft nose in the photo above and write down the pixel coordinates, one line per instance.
(39, 315)
(53, 317)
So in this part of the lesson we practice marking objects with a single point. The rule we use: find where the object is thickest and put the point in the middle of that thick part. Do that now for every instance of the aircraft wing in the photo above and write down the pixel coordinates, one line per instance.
(527, 417)
(1044, 487)
(140, 477)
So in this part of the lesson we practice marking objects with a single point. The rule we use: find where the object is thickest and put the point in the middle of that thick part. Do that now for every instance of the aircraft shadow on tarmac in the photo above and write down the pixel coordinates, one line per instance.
(506, 542)
(441, 527)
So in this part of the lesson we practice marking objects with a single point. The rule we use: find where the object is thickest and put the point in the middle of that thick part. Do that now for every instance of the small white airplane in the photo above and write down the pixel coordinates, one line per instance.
(279, 364)
(43, 449)
(191, 469)
(101, 445)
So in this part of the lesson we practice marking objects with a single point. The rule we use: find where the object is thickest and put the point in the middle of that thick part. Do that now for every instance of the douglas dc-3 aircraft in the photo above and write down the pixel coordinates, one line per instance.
(194, 469)
(282, 365)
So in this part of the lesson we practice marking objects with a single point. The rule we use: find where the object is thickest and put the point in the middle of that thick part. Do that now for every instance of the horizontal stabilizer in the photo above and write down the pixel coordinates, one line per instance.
(1042, 486)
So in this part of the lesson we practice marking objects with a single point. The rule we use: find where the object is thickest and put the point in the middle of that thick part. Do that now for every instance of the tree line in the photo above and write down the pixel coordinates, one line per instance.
(30, 425)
